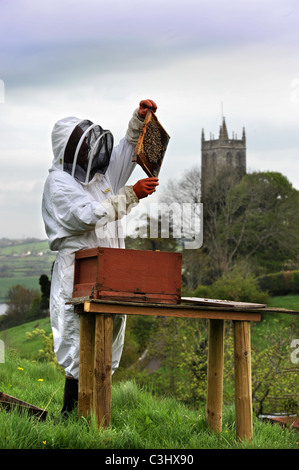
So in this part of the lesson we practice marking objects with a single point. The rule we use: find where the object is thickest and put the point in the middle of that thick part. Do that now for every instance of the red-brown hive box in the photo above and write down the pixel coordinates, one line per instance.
(128, 275)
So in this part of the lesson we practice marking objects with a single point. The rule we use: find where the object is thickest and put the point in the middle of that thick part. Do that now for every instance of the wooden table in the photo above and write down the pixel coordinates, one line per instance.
(95, 367)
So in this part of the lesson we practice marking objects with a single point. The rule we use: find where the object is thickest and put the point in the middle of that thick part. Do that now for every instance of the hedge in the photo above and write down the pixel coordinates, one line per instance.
(282, 283)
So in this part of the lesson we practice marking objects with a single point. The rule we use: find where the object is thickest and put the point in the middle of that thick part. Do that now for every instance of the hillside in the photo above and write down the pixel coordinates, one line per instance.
(271, 360)
(15, 338)
(139, 420)
(23, 262)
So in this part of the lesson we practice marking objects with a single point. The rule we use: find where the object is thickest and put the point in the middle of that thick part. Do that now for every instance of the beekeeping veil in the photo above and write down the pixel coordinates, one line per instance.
(81, 148)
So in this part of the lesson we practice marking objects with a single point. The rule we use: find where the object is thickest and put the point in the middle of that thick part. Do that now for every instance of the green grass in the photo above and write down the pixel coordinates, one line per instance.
(34, 247)
(16, 268)
(285, 301)
(15, 338)
(138, 419)
(28, 265)
(274, 321)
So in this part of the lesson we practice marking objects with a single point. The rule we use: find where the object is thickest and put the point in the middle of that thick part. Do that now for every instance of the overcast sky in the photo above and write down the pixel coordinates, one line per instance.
(97, 59)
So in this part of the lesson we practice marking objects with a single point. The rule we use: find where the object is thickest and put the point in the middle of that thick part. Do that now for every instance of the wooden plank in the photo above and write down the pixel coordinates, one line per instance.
(243, 392)
(135, 297)
(86, 369)
(77, 301)
(131, 308)
(280, 310)
(222, 303)
(103, 369)
(215, 375)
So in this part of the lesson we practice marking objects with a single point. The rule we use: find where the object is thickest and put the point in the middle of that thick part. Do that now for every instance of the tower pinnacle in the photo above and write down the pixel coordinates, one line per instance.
(223, 135)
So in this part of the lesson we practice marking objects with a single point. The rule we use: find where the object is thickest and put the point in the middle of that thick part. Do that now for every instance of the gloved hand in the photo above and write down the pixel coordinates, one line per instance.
(144, 105)
(145, 187)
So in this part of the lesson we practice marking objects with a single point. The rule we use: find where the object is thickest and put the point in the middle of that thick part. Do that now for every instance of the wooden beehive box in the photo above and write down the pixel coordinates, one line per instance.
(128, 275)
(151, 146)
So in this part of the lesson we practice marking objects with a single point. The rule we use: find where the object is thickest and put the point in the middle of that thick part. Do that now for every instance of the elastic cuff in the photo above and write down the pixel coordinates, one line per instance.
(110, 215)
(134, 128)
(132, 196)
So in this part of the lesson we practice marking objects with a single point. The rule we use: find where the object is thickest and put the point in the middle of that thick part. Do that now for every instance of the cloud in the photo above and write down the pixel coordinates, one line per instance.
(46, 43)
(98, 59)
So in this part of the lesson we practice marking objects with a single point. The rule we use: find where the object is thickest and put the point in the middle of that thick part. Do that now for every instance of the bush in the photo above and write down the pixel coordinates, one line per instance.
(234, 286)
(47, 353)
(282, 283)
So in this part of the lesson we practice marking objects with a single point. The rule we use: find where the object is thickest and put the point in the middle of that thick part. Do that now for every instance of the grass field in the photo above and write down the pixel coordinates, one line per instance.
(139, 420)
(30, 282)
(285, 301)
(15, 338)
(23, 263)
(32, 246)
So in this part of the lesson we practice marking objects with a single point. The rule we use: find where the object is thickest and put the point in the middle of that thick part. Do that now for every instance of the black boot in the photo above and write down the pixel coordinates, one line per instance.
(70, 396)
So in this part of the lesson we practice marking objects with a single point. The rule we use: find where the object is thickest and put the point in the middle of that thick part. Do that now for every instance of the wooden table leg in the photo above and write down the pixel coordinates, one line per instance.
(103, 369)
(86, 369)
(243, 390)
(215, 375)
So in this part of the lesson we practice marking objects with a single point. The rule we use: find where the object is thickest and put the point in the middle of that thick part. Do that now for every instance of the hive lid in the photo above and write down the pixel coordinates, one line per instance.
(8, 402)
(151, 145)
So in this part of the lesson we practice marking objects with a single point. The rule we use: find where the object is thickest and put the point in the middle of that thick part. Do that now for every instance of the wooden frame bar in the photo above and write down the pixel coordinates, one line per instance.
(103, 369)
(243, 390)
(215, 375)
(86, 368)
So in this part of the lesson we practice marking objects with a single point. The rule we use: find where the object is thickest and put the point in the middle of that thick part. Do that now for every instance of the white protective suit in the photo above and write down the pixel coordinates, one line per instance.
(73, 211)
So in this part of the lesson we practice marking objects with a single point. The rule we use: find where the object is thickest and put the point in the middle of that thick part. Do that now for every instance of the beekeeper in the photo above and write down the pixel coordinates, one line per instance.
(85, 195)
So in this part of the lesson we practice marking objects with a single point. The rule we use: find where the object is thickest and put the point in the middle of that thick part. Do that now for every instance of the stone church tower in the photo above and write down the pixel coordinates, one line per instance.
(219, 153)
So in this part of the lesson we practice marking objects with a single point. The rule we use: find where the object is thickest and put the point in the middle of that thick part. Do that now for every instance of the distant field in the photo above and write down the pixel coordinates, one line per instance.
(34, 247)
(285, 301)
(32, 265)
(23, 263)
(30, 282)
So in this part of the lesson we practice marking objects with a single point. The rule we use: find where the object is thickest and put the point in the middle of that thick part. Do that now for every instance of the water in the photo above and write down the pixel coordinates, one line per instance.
(3, 308)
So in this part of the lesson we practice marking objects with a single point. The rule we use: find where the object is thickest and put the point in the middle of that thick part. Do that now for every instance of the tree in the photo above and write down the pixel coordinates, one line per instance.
(45, 286)
(19, 303)
(185, 192)
(274, 376)
(183, 200)
(238, 285)
(255, 220)
(266, 220)
(180, 347)
(186, 189)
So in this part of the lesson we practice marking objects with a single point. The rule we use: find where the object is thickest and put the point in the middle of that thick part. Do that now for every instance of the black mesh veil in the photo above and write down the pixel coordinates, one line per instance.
(88, 151)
